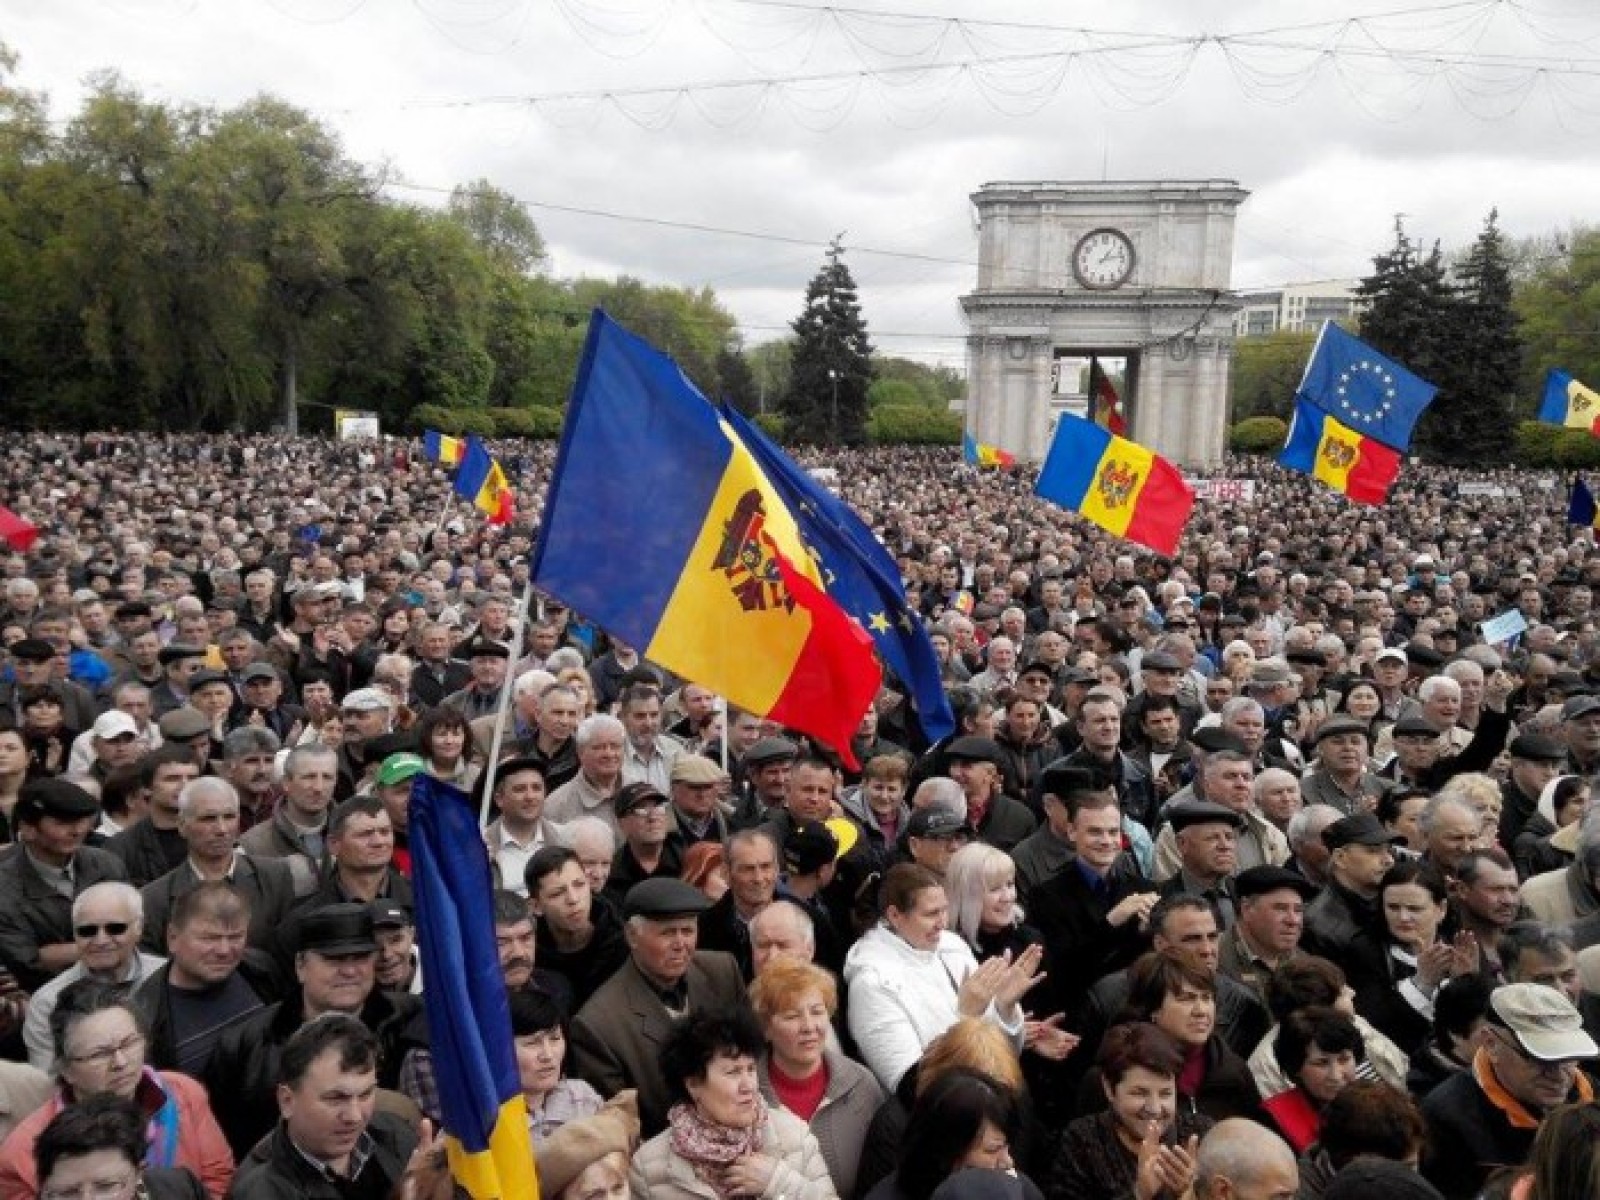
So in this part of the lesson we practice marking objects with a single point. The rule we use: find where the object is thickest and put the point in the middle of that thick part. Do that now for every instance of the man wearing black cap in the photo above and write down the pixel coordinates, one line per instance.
(40, 879)
(1361, 853)
(481, 698)
(1045, 851)
(617, 1036)
(397, 968)
(1270, 914)
(995, 818)
(646, 852)
(1343, 778)
(521, 830)
(1206, 837)
(34, 664)
(1535, 761)
(333, 970)
(766, 769)
(1580, 729)
(179, 662)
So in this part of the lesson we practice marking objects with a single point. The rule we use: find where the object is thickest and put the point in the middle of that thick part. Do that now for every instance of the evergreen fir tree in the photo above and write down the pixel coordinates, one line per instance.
(1408, 313)
(1472, 418)
(832, 365)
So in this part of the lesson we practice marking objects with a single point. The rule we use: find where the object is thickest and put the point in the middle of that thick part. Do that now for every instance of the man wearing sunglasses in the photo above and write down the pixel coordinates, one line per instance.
(107, 919)
(1486, 1117)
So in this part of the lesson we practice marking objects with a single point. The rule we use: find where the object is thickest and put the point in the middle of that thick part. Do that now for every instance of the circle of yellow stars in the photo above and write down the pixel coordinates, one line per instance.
(1342, 386)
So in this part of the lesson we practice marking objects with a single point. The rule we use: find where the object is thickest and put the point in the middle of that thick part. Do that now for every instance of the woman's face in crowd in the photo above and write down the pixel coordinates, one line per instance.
(1140, 1099)
(728, 1094)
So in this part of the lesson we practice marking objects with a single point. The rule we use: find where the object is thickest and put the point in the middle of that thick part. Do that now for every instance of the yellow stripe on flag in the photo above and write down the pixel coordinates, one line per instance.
(1583, 406)
(505, 1171)
(730, 582)
(1113, 493)
(1338, 451)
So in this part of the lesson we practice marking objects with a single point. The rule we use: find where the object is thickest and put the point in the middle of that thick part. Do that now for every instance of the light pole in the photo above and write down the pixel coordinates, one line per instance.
(833, 379)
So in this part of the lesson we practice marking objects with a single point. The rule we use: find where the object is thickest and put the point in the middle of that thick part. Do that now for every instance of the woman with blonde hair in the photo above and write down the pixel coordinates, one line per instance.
(803, 1072)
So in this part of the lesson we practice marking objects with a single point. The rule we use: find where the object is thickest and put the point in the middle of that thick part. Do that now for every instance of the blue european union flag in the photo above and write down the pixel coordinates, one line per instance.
(859, 574)
(1363, 390)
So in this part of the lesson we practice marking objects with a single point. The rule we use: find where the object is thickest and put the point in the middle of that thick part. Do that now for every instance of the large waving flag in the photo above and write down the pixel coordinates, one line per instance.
(442, 448)
(1105, 406)
(661, 526)
(1119, 485)
(1364, 391)
(469, 1020)
(1570, 403)
(981, 454)
(1360, 467)
(480, 479)
(859, 573)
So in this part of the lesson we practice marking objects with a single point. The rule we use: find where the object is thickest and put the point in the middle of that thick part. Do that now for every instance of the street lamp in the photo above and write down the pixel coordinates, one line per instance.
(833, 378)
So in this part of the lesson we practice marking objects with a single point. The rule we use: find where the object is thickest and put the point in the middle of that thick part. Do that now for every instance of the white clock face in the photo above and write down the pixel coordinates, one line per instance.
(1103, 259)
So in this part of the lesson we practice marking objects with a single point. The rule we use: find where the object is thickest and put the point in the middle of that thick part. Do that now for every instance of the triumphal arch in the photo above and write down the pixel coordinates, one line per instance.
(1133, 277)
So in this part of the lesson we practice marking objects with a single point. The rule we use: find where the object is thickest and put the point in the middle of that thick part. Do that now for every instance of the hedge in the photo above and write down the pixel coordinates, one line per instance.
(1541, 445)
(532, 422)
(487, 422)
(906, 424)
(1259, 435)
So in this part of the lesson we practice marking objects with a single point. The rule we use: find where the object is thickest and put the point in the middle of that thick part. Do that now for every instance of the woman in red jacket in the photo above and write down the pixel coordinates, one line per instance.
(100, 1047)
(1318, 1050)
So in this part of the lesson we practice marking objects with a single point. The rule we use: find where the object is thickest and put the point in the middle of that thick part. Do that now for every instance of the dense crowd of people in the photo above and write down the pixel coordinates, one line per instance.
(1267, 870)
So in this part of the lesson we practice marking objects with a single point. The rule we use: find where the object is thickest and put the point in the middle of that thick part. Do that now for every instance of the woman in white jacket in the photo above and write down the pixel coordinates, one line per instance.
(909, 978)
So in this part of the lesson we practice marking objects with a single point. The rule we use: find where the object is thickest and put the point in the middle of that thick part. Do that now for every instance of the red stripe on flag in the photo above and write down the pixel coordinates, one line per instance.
(1165, 503)
(17, 533)
(1374, 472)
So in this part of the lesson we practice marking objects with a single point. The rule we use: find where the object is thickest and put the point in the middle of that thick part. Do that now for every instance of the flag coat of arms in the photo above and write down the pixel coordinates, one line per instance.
(481, 480)
(1570, 403)
(1123, 487)
(663, 528)
(1354, 414)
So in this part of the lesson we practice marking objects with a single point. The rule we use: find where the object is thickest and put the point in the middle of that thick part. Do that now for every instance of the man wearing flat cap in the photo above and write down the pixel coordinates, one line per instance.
(34, 664)
(489, 661)
(997, 819)
(1361, 851)
(334, 970)
(1535, 761)
(180, 662)
(1485, 1118)
(40, 879)
(1270, 914)
(617, 1036)
(766, 767)
(1343, 777)
(1206, 837)
(697, 813)
(647, 850)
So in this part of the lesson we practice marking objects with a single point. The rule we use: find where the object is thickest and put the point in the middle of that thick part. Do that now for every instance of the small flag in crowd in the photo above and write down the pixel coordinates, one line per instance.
(661, 526)
(469, 1021)
(1120, 485)
(442, 448)
(1570, 403)
(981, 454)
(16, 532)
(860, 574)
(1582, 510)
(1105, 406)
(1360, 467)
(481, 480)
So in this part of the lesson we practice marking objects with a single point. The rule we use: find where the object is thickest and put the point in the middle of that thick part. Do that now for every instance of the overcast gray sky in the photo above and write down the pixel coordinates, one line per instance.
(880, 119)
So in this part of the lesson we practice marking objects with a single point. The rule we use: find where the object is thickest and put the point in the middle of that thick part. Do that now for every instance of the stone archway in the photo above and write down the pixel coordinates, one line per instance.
(1140, 271)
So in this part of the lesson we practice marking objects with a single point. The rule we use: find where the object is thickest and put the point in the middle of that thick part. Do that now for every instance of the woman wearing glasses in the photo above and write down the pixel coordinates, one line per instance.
(95, 1150)
(100, 1051)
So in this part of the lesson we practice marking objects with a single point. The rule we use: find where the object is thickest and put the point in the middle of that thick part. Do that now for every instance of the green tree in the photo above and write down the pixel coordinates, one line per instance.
(826, 400)
(1409, 316)
(1266, 372)
(500, 224)
(1471, 418)
(1560, 309)
(738, 381)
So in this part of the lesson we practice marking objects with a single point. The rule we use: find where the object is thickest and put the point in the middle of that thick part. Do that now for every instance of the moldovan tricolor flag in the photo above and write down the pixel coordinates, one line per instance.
(662, 528)
(1119, 485)
(1570, 403)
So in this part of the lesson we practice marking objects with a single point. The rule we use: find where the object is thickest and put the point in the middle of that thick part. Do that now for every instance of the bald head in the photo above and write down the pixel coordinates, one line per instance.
(1239, 1159)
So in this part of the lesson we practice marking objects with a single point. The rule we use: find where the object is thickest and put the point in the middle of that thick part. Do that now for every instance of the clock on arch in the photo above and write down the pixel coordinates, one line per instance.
(1103, 259)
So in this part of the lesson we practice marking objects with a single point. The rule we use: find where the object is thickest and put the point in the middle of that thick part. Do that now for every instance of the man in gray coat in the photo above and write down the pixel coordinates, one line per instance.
(617, 1036)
